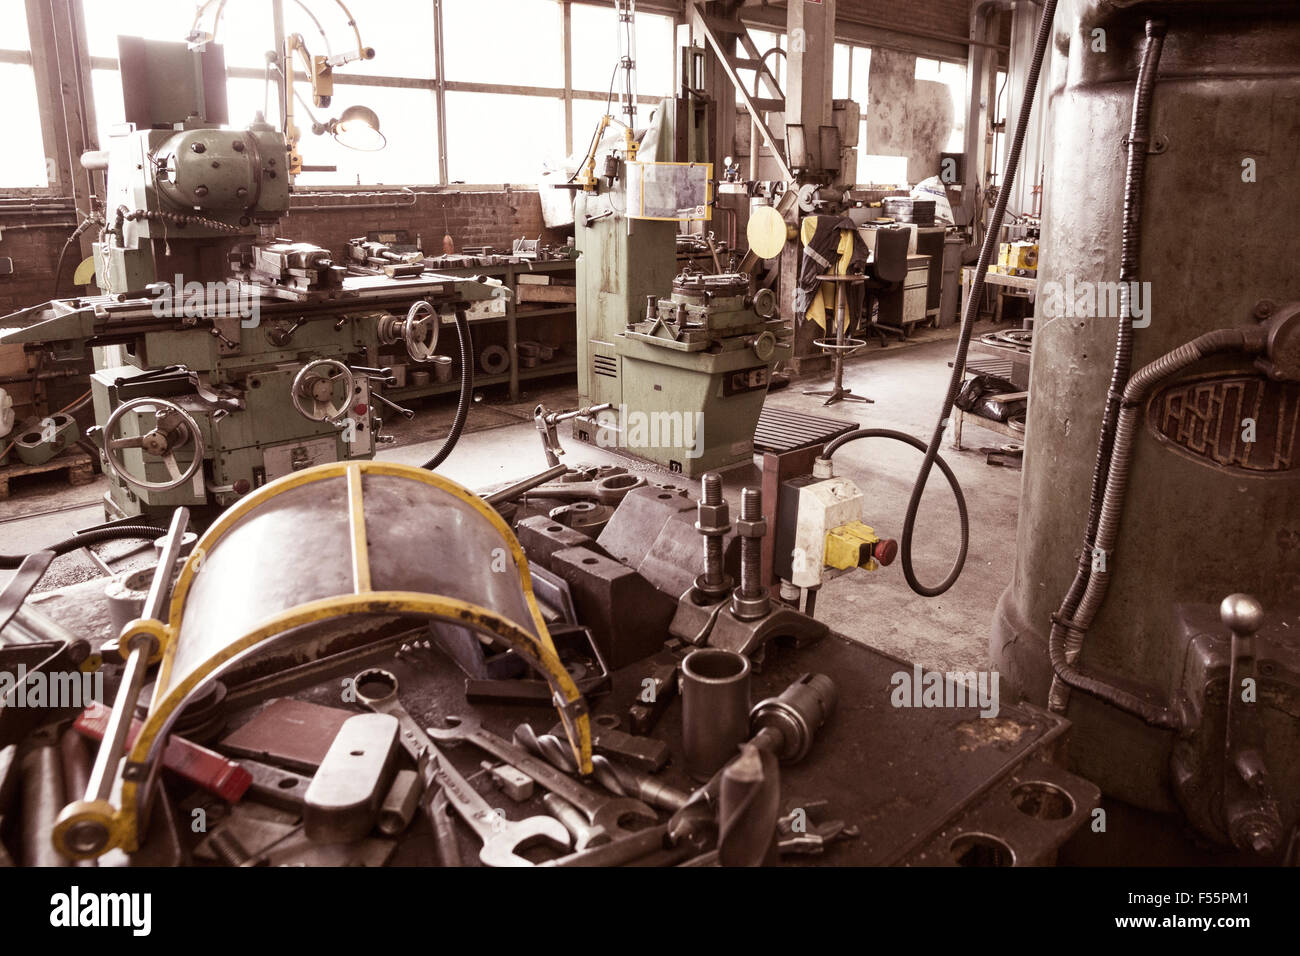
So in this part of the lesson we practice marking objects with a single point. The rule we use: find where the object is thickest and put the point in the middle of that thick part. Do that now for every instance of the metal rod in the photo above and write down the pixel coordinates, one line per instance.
(137, 666)
(511, 492)
(119, 722)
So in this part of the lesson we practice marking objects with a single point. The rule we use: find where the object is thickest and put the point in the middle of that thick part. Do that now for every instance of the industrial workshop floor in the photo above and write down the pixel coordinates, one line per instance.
(907, 382)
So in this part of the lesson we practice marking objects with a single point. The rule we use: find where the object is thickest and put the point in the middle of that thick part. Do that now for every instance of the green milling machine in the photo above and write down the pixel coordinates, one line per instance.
(224, 356)
(683, 361)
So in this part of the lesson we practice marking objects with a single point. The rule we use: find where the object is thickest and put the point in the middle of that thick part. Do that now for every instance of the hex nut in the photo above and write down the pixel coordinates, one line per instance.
(713, 519)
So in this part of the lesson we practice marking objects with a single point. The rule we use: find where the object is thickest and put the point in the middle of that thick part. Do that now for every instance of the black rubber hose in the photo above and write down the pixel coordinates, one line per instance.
(91, 220)
(10, 561)
(972, 309)
(916, 443)
(466, 392)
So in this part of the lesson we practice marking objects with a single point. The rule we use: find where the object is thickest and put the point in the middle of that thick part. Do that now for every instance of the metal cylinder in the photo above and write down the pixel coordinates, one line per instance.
(1215, 116)
(126, 597)
(42, 775)
(795, 715)
(715, 708)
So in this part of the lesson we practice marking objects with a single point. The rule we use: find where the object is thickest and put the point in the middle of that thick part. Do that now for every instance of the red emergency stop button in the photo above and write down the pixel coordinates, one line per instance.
(885, 551)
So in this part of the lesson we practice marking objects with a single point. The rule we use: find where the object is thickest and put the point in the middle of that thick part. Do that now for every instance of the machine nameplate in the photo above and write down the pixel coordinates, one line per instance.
(1237, 421)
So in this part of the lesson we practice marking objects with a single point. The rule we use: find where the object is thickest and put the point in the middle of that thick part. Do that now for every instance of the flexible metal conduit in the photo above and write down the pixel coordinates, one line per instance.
(1138, 135)
(466, 397)
(1248, 340)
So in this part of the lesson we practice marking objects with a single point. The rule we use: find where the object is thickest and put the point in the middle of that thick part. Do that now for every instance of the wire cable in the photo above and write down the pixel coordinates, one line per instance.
(968, 320)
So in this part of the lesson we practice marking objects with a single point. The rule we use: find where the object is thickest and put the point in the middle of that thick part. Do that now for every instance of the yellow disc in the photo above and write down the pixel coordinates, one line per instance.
(766, 232)
(85, 271)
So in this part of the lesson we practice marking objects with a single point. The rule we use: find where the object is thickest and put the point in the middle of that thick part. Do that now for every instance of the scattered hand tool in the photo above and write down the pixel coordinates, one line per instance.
(400, 803)
(342, 803)
(514, 784)
(614, 777)
(785, 726)
(199, 765)
(749, 803)
(585, 836)
(601, 810)
(643, 753)
(657, 692)
(282, 789)
(501, 838)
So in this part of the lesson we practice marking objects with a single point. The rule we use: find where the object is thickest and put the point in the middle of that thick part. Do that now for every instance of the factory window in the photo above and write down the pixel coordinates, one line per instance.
(765, 43)
(23, 163)
(859, 91)
(397, 83)
(523, 48)
(504, 87)
(596, 45)
(840, 69)
(498, 138)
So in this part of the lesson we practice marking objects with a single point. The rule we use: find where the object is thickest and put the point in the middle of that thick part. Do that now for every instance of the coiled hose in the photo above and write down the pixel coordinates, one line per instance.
(1112, 509)
(968, 322)
(916, 443)
(466, 392)
(10, 561)
(1138, 135)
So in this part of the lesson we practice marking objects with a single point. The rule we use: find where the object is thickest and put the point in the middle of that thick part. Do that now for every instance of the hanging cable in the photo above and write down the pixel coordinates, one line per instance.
(968, 320)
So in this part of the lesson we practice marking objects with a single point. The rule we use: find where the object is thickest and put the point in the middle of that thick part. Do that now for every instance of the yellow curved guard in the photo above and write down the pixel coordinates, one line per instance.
(538, 650)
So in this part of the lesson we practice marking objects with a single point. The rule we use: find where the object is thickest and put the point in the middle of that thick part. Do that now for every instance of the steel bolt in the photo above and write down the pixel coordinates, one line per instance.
(750, 600)
(713, 521)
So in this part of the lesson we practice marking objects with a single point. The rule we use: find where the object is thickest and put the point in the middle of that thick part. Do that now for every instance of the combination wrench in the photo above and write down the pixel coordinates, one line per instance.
(604, 814)
(502, 839)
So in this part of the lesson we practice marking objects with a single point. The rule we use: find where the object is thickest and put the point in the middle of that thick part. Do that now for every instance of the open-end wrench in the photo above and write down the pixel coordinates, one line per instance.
(585, 836)
(604, 812)
(501, 838)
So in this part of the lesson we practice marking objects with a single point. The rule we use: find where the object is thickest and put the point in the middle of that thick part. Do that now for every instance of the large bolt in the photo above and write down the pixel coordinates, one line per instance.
(713, 520)
(750, 600)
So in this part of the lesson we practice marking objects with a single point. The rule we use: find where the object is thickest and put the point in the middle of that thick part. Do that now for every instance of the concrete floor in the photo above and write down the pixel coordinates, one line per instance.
(907, 381)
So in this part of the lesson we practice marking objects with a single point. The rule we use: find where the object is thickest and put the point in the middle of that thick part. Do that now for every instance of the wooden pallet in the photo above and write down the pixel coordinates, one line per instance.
(78, 465)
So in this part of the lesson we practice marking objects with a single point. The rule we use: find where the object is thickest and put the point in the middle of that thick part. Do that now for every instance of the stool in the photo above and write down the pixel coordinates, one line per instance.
(841, 345)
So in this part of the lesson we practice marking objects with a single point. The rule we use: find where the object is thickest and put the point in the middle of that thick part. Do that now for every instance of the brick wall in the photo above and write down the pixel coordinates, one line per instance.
(491, 217)
(33, 252)
(488, 217)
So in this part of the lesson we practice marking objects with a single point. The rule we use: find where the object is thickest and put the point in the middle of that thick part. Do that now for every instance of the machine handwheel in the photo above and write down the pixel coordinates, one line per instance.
(420, 331)
(173, 428)
(312, 384)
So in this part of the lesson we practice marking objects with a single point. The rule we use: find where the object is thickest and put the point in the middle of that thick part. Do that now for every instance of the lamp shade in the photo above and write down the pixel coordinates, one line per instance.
(358, 128)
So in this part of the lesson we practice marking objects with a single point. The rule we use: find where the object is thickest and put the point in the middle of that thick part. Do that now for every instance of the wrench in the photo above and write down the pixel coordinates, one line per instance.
(602, 812)
(585, 836)
(501, 838)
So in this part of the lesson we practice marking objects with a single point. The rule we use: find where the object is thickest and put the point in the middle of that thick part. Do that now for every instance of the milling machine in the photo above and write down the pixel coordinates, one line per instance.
(684, 362)
(224, 356)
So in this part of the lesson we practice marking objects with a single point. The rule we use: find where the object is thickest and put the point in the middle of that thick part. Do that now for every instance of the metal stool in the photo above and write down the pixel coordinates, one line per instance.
(841, 345)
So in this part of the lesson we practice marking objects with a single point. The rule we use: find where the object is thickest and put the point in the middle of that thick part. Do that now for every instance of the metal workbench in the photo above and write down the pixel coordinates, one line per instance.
(924, 786)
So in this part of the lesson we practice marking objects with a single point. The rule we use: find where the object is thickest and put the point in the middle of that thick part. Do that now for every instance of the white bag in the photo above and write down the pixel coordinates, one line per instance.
(932, 188)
